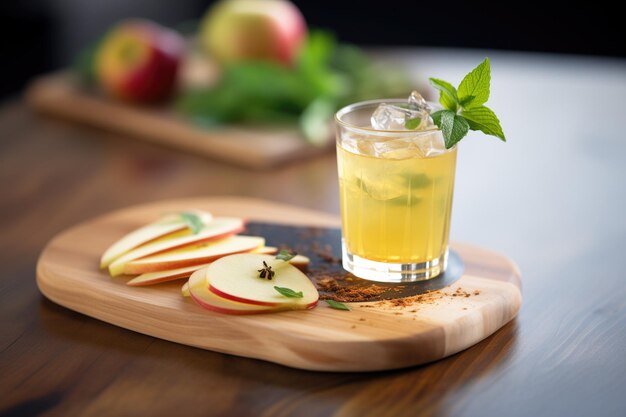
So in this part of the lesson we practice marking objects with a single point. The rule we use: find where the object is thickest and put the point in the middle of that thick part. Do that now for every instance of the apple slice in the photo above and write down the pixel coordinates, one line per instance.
(184, 290)
(194, 255)
(267, 250)
(299, 261)
(165, 226)
(236, 278)
(157, 277)
(220, 227)
(199, 292)
(151, 278)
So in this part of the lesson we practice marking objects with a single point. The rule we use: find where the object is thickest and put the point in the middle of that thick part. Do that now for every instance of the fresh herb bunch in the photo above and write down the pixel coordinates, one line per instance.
(326, 76)
(465, 109)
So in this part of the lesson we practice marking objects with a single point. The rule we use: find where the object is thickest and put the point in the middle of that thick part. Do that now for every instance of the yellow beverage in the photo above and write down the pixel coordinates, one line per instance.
(395, 206)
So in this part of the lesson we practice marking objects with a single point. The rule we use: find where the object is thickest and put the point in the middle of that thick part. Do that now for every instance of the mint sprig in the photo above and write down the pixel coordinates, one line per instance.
(193, 221)
(288, 292)
(464, 108)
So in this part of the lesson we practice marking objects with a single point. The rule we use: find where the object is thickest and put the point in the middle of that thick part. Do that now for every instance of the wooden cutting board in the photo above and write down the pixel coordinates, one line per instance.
(373, 336)
(60, 95)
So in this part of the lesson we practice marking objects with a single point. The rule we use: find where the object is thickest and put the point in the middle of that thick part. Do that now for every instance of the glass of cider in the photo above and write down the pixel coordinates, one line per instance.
(396, 180)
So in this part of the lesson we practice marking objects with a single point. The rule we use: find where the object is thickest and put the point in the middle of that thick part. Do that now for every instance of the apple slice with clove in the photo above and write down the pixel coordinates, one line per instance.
(237, 278)
(199, 292)
(220, 227)
(165, 226)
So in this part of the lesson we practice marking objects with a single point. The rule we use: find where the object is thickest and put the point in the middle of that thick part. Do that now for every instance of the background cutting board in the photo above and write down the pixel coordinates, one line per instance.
(376, 337)
(60, 95)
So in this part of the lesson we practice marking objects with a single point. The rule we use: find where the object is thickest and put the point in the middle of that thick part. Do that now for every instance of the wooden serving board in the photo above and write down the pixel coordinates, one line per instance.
(60, 95)
(373, 336)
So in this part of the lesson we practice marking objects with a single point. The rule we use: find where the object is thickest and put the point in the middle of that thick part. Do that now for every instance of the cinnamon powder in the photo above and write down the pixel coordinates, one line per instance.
(344, 287)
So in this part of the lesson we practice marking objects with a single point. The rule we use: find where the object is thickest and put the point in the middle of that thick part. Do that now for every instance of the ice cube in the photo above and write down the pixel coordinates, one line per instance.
(417, 102)
(393, 148)
(430, 144)
(414, 115)
(382, 185)
(388, 117)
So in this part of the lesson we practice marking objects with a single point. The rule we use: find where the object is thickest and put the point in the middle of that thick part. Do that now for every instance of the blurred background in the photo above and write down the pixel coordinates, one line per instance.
(43, 35)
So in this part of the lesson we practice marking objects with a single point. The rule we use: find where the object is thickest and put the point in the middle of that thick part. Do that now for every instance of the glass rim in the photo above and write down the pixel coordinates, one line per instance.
(370, 130)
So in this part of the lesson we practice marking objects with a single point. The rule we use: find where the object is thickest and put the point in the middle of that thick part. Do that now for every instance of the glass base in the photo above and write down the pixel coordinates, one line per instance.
(391, 272)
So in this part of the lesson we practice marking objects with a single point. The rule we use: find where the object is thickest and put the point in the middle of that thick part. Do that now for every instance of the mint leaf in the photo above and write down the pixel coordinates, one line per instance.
(467, 101)
(452, 126)
(475, 84)
(337, 305)
(447, 94)
(412, 124)
(436, 116)
(193, 221)
(285, 255)
(288, 292)
(484, 119)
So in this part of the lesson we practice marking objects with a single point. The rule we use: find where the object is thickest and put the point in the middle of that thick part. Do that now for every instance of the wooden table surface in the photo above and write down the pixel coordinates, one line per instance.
(553, 198)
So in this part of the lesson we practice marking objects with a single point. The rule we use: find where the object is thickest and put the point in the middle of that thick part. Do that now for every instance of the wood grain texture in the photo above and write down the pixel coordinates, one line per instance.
(371, 337)
(59, 95)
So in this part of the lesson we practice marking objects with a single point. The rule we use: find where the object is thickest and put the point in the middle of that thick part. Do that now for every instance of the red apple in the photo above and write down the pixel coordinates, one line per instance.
(138, 61)
(236, 30)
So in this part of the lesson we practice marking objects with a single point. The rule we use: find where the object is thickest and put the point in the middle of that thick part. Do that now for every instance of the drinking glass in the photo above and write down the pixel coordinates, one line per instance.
(395, 191)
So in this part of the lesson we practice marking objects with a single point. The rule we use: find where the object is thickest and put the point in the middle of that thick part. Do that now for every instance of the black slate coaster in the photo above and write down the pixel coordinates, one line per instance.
(323, 247)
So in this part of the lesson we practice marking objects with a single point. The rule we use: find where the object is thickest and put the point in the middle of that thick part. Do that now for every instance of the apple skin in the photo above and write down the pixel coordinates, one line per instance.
(138, 61)
(240, 30)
